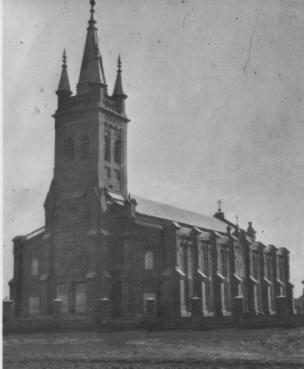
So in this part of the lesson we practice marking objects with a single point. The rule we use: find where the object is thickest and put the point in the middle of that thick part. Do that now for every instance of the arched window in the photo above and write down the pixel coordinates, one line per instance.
(69, 149)
(84, 147)
(35, 267)
(149, 260)
(117, 151)
(107, 148)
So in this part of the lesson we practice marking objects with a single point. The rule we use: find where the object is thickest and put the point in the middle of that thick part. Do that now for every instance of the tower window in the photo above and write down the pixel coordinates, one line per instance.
(69, 149)
(117, 151)
(149, 260)
(107, 147)
(84, 147)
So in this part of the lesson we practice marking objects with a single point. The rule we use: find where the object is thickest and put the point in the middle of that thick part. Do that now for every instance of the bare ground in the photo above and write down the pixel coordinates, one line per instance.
(213, 349)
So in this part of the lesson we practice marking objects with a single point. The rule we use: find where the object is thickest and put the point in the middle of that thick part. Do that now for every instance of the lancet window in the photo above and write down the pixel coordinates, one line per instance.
(205, 265)
(69, 149)
(117, 151)
(107, 146)
(149, 260)
(84, 147)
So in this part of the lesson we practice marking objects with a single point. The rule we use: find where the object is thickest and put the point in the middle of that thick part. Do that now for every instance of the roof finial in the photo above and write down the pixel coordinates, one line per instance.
(219, 205)
(64, 83)
(92, 10)
(237, 220)
(64, 59)
(119, 63)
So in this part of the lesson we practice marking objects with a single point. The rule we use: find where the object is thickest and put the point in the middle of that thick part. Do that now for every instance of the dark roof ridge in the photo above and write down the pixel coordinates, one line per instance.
(179, 215)
(166, 204)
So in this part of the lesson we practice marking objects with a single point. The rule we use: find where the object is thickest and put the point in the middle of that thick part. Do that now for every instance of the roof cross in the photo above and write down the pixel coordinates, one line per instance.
(119, 63)
(64, 59)
(92, 10)
(220, 202)
(92, 2)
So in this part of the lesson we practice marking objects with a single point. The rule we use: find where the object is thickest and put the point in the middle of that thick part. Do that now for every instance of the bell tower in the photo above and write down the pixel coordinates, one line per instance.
(90, 161)
(90, 157)
(91, 127)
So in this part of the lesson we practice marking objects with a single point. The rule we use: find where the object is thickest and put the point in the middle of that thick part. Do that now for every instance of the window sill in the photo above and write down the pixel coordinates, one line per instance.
(201, 274)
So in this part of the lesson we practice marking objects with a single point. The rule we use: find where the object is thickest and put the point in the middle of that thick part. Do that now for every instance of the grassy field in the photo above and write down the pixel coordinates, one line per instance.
(213, 349)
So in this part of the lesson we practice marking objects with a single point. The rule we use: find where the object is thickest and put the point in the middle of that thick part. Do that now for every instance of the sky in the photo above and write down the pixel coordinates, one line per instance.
(215, 97)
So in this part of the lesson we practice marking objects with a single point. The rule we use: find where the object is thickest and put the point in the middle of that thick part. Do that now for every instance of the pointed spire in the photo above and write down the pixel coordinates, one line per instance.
(64, 83)
(91, 67)
(118, 89)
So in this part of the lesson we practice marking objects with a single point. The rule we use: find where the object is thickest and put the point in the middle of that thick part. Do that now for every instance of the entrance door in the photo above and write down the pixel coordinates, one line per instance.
(80, 298)
(63, 295)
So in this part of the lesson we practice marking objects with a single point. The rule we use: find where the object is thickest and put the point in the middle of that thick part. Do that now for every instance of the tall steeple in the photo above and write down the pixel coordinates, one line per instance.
(91, 71)
(64, 89)
(91, 126)
(118, 92)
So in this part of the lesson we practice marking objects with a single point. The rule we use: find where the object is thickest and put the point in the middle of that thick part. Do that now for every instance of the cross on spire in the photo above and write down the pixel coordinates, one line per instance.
(64, 59)
(119, 63)
(92, 10)
(92, 2)
(220, 202)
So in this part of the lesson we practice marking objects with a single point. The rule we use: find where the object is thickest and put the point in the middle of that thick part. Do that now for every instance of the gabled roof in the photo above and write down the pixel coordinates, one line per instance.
(29, 236)
(35, 233)
(172, 213)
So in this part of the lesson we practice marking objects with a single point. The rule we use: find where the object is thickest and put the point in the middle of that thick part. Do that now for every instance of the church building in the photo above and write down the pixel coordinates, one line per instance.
(102, 243)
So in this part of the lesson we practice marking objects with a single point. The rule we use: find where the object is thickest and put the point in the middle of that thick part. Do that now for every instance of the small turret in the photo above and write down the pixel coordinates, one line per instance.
(250, 231)
(118, 93)
(64, 90)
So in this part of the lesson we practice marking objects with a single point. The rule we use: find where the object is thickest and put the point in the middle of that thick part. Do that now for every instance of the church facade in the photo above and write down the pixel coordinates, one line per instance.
(100, 243)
